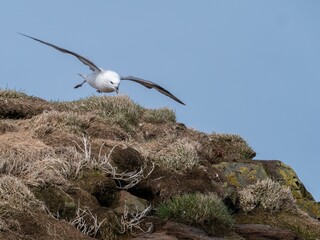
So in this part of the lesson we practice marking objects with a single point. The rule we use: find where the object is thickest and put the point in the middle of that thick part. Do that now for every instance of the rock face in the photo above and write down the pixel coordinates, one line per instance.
(102, 167)
(240, 174)
(181, 231)
(264, 232)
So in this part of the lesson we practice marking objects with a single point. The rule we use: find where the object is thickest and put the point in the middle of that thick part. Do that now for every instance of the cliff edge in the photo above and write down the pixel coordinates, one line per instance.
(107, 168)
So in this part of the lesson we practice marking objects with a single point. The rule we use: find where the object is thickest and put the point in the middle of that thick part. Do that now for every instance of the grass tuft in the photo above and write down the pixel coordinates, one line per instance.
(270, 195)
(9, 93)
(197, 209)
(178, 156)
(14, 193)
(162, 115)
(229, 147)
(51, 121)
(119, 109)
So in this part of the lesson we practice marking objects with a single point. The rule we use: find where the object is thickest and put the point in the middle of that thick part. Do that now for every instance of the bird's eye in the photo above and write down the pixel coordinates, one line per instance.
(111, 82)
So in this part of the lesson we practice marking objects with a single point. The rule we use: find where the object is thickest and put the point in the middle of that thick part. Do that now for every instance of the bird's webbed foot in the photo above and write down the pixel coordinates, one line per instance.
(80, 85)
(98, 91)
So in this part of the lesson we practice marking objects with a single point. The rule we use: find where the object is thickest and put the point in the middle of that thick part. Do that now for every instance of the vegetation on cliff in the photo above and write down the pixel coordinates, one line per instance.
(106, 168)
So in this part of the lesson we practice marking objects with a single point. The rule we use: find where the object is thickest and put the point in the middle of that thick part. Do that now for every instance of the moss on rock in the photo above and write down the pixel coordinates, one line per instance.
(241, 174)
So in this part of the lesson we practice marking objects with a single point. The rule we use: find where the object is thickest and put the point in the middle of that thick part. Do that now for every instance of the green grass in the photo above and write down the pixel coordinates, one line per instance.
(197, 209)
(162, 115)
(119, 109)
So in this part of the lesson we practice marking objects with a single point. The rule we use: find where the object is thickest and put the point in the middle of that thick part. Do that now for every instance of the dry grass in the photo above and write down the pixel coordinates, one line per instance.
(51, 121)
(49, 170)
(8, 93)
(17, 105)
(38, 164)
(29, 159)
(14, 193)
(178, 156)
(178, 151)
(20, 150)
(170, 151)
(133, 222)
(268, 194)
(32, 163)
(23, 143)
(7, 126)
(228, 147)
(129, 222)
(86, 222)
(233, 145)
(126, 180)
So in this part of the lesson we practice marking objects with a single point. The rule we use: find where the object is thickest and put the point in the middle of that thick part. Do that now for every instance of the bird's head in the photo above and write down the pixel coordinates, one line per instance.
(111, 79)
(114, 85)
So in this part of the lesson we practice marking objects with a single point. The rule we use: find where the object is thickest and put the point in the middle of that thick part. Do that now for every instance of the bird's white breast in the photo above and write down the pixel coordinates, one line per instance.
(104, 81)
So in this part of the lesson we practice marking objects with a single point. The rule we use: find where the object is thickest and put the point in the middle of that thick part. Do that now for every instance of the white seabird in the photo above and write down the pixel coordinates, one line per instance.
(106, 80)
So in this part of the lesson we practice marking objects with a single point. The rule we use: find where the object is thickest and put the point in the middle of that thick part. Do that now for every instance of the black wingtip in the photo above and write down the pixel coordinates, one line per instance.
(25, 35)
(181, 102)
(177, 100)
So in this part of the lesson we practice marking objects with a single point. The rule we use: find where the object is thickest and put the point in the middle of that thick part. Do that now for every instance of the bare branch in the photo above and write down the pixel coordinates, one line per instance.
(131, 222)
(86, 222)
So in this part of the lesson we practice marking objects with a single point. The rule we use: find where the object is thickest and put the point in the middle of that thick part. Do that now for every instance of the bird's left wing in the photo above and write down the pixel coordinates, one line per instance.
(150, 84)
(84, 60)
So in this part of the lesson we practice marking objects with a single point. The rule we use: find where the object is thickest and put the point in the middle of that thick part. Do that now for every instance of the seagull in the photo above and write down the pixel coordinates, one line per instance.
(106, 80)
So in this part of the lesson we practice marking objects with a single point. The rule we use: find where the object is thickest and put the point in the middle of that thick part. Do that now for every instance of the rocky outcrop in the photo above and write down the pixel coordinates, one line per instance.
(175, 231)
(181, 231)
(264, 232)
(243, 173)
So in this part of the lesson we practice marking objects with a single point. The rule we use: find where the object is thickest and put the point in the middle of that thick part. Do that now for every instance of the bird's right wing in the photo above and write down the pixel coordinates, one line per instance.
(84, 60)
(149, 84)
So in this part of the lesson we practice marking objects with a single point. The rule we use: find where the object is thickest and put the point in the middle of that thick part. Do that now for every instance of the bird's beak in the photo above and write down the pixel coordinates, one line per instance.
(117, 90)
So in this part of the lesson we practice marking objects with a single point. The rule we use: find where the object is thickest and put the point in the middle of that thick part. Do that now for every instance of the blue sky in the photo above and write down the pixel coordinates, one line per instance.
(249, 67)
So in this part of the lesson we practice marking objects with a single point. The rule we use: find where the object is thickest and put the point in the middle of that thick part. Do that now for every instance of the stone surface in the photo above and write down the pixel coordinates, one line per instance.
(243, 173)
(240, 174)
(155, 236)
(98, 184)
(264, 232)
(129, 201)
(182, 231)
(57, 201)
(126, 159)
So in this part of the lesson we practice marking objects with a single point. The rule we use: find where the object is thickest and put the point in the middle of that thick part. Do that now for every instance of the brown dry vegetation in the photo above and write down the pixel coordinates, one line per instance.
(65, 167)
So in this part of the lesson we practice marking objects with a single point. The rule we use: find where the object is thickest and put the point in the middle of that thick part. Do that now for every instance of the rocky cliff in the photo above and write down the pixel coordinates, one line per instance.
(106, 168)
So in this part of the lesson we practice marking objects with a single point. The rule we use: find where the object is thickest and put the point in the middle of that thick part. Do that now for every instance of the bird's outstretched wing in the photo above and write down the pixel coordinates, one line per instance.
(84, 60)
(150, 84)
